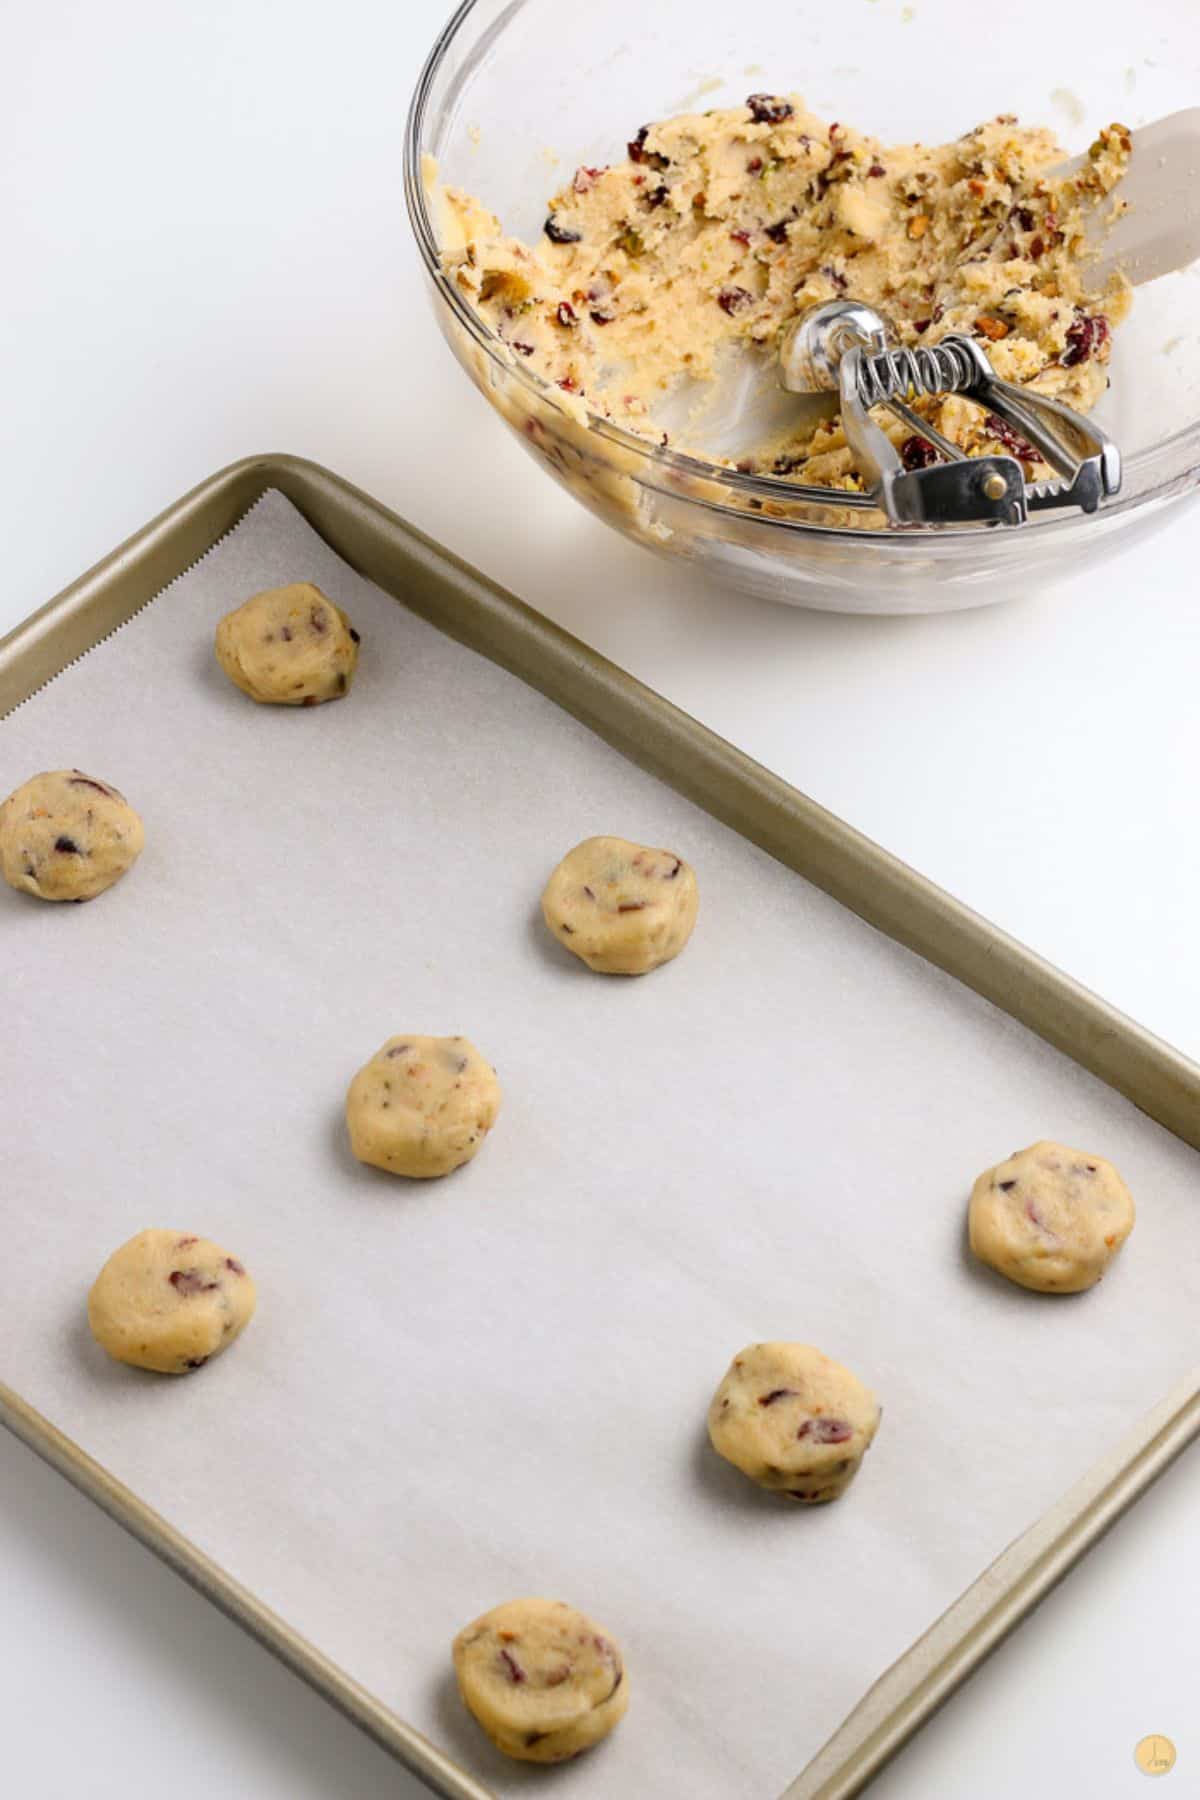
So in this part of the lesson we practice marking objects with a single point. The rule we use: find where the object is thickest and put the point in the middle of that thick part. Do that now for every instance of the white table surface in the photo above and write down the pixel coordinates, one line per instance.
(206, 256)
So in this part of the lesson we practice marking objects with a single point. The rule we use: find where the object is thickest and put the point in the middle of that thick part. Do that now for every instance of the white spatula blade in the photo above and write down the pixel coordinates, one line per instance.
(1159, 232)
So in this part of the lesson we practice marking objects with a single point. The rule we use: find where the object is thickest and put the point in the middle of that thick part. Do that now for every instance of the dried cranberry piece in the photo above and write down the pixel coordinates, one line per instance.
(876, 169)
(190, 1281)
(232, 1263)
(1025, 218)
(1012, 440)
(521, 348)
(788, 463)
(826, 1431)
(66, 846)
(739, 236)
(922, 324)
(917, 452)
(1084, 338)
(779, 231)
(565, 313)
(638, 152)
(600, 318)
(658, 196)
(561, 234)
(584, 178)
(754, 165)
(78, 780)
(354, 637)
(195, 1362)
(768, 109)
(318, 621)
(734, 300)
(569, 385)
(627, 906)
(1006, 1187)
(516, 1673)
(839, 281)
(776, 1394)
(185, 1243)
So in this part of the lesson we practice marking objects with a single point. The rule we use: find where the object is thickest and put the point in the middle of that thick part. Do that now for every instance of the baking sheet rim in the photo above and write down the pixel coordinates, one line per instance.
(809, 840)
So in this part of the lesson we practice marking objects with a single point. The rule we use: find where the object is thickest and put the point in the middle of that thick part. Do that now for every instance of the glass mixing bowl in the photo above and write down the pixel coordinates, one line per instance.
(517, 93)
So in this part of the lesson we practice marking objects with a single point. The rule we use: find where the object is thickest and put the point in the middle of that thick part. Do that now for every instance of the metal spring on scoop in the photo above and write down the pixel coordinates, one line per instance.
(908, 374)
(841, 347)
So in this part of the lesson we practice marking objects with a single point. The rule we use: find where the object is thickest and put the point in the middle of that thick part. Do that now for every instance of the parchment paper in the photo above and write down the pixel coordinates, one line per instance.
(459, 1392)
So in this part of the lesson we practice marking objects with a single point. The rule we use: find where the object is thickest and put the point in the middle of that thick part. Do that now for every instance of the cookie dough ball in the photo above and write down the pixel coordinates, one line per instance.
(422, 1106)
(1050, 1218)
(289, 646)
(543, 1680)
(621, 907)
(168, 1301)
(793, 1420)
(66, 836)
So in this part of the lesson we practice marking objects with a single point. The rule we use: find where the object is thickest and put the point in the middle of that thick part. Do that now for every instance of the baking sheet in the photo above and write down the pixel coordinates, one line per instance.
(460, 1392)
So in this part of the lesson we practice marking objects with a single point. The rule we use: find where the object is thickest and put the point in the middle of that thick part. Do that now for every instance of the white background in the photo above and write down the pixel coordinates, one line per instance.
(205, 255)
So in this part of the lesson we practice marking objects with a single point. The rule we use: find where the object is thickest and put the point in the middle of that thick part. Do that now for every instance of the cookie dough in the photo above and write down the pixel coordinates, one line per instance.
(422, 1106)
(169, 1301)
(289, 646)
(1050, 1218)
(717, 229)
(793, 1420)
(543, 1680)
(66, 836)
(622, 908)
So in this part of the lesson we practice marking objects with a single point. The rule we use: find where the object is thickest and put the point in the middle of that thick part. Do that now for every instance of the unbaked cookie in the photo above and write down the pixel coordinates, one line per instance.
(623, 908)
(66, 836)
(289, 646)
(793, 1420)
(422, 1106)
(169, 1301)
(1050, 1218)
(543, 1680)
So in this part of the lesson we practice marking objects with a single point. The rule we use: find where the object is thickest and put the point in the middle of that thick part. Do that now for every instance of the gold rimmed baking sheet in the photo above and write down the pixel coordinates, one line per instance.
(497, 1384)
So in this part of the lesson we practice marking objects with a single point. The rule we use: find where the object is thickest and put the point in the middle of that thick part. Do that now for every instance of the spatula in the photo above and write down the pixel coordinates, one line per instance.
(1159, 232)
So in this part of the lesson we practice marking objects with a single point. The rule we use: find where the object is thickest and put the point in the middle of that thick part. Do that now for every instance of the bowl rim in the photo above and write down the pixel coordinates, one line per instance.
(658, 457)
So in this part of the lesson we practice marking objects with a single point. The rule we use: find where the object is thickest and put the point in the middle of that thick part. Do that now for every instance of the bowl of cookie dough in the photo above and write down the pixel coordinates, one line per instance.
(620, 209)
